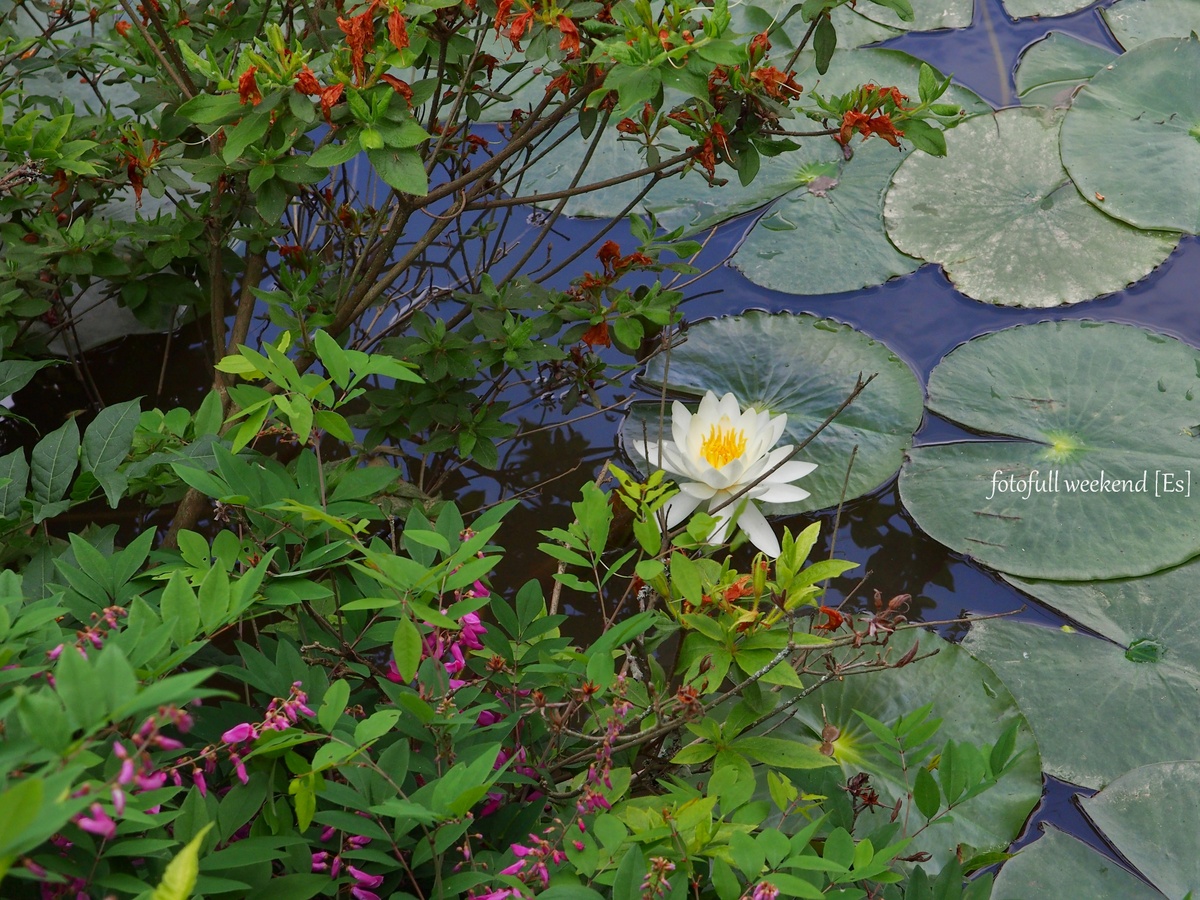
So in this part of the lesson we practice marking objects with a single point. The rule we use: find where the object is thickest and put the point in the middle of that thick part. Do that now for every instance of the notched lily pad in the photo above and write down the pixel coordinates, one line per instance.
(1130, 137)
(1134, 22)
(1150, 816)
(1101, 705)
(1053, 68)
(1002, 217)
(1088, 475)
(805, 367)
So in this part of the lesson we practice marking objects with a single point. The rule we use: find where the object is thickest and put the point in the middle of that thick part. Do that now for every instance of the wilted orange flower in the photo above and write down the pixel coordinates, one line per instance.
(360, 37)
(759, 45)
(776, 83)
(519, 26)
(329, 98)
(306, 82)
(123, 28)
(397, 30)
(879, 124)
(833, 619)
(248, 88)
(597, 336)
(400, 87)
(570, 36)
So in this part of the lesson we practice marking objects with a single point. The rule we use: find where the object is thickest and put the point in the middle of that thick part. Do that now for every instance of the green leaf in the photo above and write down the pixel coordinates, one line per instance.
(179, 878)
(181, 608)
(926, 794)
(54, 459)
(401, 169)
(14, 477)
(16, 373)
(210, 108)
(824, 43)
(784, 754)
(20, 807)
(954, 684)
(1052, 69)
(406, 648)
(107, 441)
(334, 704)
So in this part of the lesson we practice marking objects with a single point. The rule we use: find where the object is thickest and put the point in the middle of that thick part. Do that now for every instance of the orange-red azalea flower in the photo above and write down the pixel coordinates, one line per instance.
(306, 82)
(397, 30)
(248, 88)
(360, 37)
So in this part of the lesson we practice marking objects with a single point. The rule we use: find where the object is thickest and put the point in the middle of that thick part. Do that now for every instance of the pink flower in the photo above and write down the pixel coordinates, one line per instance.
(97, 823)
(514, 868)
(359, 894)
(764, 891)
(364, 879)
(240, 733)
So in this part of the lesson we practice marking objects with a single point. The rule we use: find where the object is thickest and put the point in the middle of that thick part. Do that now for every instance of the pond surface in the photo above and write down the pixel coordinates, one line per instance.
(920, 317)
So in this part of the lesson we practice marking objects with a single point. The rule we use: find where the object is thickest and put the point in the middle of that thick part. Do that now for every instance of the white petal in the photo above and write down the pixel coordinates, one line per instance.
(709, 410)
(779, 493)
(758, 530)
(697, 490)
(648, 449)
(679, 508)
(681, 422)
(791, 471)
(729, 407)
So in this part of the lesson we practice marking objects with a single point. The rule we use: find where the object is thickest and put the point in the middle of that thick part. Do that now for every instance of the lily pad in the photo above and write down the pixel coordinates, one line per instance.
(1058, 865)
(1050, 70)
(1134, 22)
(974, 707)
(805, 367)
(1089, 419)
(1150, 816)
(1023, 9)
(926, 16)
(1131, 139)
(1004, 220)
(1101, 706)
(834, 225)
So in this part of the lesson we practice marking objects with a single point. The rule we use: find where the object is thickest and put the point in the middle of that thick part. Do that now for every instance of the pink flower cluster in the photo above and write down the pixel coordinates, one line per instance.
(325, 861)
(657, 883)
(281, 715)
(531, 860)
(92, 636)
(442, 643)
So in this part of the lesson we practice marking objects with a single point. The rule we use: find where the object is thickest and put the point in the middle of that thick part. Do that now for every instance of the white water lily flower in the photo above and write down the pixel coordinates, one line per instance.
(717, 453)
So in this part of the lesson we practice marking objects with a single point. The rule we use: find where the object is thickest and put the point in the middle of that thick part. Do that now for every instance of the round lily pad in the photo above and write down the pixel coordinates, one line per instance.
(1050, 70)
(1103, 705)
(1099, 708)
(1131, 139)
(1006, 223)
(973, 706)
(1022, 9)
(1134, 22)
(1150, 816)
(926, 16)
(834, 224)
(805, 367)
(1088, 475)
(1058, 865)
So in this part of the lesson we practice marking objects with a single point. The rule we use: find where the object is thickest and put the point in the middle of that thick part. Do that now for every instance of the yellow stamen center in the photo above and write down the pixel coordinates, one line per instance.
(723, 445)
